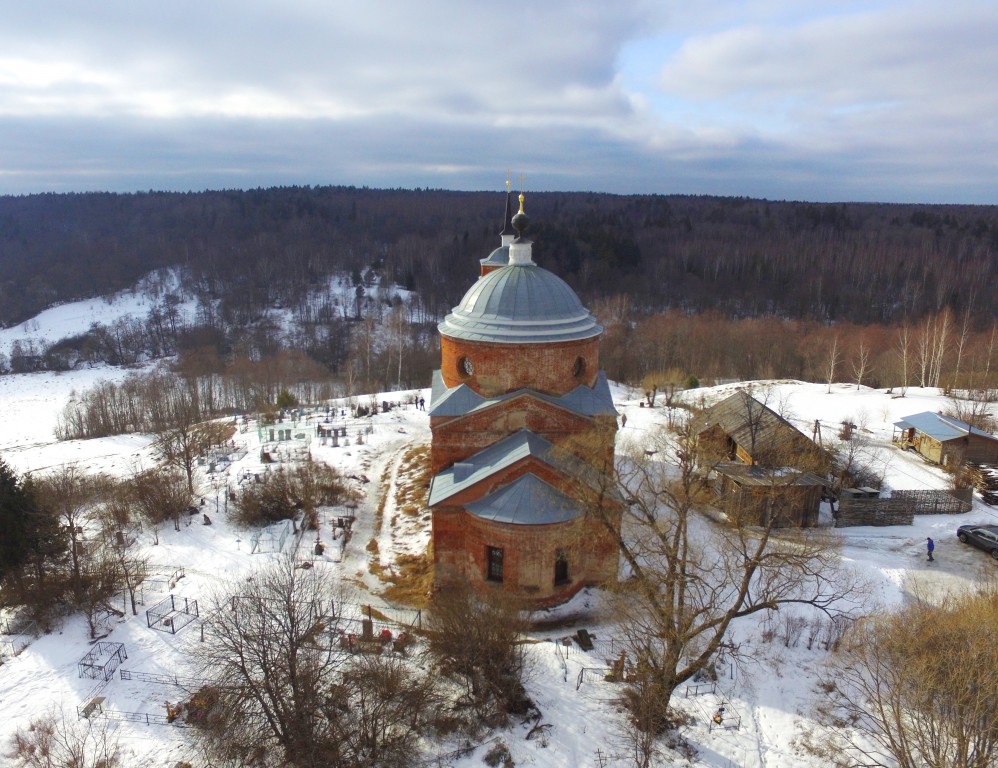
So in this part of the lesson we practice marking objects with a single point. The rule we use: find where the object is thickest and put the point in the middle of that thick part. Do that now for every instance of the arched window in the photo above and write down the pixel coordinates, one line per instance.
(560, 567)
(494, 564)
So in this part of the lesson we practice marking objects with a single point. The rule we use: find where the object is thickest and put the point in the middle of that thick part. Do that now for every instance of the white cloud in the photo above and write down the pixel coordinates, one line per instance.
(814, 99)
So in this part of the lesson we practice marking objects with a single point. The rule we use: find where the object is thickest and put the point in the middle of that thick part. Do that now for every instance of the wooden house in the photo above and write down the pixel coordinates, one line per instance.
(762, 465)
(740, 428)
(944, 440)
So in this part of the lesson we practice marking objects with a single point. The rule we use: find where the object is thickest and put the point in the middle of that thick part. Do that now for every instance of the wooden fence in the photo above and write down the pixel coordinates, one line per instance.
(901, 507)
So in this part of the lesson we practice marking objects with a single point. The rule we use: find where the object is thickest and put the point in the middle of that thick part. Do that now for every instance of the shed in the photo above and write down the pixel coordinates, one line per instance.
(780, 497)
(944, 440)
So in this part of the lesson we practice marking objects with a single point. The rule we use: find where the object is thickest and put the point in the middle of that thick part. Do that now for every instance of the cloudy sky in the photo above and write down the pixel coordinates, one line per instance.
(824, 100)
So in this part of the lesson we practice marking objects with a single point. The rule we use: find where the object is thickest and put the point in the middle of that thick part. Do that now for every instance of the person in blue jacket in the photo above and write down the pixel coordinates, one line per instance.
(930, 545)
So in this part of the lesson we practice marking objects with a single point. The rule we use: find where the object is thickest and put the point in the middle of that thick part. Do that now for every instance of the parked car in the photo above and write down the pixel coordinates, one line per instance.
(982, 536)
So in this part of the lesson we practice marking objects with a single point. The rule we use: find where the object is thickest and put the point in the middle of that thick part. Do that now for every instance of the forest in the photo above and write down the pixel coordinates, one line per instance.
(734, 273)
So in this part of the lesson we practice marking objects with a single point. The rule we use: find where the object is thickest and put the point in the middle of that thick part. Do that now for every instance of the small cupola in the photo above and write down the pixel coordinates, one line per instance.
(520, 248)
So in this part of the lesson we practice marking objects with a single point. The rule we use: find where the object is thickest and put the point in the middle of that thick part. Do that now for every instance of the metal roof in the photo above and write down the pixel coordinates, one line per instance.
(520, 304)
(939, 427)
(488, 461)
(499, 256)
(462, 399)
(528, 500)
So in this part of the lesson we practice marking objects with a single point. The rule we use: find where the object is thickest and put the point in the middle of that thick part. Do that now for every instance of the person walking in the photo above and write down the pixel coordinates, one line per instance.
(930, 545)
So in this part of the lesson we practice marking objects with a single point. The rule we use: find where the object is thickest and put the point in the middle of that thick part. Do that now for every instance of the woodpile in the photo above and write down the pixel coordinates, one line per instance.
(985, 480)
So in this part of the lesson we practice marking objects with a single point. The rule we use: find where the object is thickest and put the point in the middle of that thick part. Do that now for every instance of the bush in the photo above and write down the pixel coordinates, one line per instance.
(499, 756)
(474, 639)
(692, 382)
(918, 684)
(282, 494)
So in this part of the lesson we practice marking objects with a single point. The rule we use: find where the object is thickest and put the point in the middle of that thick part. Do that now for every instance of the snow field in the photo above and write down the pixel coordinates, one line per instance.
(774, 691)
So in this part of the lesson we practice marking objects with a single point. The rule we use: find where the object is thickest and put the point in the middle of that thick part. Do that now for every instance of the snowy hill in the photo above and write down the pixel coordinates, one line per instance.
(771, 698)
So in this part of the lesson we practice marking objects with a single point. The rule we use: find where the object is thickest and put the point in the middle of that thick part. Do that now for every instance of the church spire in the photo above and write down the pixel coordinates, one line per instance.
(507, 230)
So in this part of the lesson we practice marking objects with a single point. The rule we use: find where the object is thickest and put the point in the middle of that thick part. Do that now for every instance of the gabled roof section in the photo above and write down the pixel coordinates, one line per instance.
(528, 500)
(462, 399)
(939, 427)
(747, 421)
(487, 462)
(455, 401)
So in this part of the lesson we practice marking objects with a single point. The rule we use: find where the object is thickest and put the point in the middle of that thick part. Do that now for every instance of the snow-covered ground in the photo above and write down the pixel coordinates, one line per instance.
(772, 696)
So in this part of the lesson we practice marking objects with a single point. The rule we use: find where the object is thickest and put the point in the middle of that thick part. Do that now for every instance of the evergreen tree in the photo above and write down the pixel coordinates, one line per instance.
(32, 541)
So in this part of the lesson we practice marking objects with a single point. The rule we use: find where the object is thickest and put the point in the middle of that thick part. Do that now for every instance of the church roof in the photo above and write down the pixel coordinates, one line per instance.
(499, 455)
(498, 257)
(528, 500)
(520, 303)
(462, 399)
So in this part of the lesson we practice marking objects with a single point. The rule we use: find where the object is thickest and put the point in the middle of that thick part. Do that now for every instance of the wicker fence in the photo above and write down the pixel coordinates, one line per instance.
(901, 507)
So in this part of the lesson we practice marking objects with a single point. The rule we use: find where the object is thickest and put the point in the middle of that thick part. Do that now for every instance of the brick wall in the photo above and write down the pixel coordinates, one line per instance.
(461, 543)
(502, 368)
(457, 438)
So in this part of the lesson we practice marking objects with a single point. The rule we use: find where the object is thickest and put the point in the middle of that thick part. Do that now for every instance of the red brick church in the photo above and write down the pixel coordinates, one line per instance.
(519, 378)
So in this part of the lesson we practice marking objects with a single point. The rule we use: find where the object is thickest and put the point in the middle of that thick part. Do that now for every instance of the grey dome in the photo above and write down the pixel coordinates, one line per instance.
(523, 304)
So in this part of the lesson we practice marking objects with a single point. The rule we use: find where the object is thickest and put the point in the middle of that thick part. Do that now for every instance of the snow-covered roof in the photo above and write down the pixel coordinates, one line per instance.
(939, 427)
(462, 399)
(528, 500)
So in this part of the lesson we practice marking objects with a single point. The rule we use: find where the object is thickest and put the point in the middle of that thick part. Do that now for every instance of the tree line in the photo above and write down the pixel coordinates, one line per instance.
(941, 350)
(246, 251)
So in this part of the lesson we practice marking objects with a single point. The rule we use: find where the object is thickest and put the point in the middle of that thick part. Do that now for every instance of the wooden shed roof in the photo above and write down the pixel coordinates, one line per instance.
(749, 423)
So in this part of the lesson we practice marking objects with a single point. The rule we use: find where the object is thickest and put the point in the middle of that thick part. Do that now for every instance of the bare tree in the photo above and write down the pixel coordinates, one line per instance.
(902, 350)
(391, 704)
(917, 685)
(961, 342)
(275, 676)
(57, 741)
(861, 363)
(832, 361)
(68, 494)
(185, 436)
(940, 343)
(130, 565)
(158, 495)
(689, 580)
(975, 408)
(100, 580)
(287, 692)
(931, 348)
